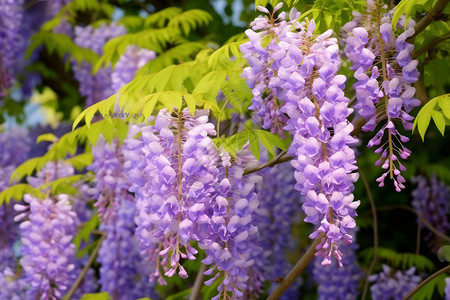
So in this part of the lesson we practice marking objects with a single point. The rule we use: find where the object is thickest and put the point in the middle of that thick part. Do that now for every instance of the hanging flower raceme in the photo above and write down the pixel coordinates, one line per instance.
(126, 67)
(13, 287)
(11, 15)
(99, 86)
(384, 71)
(312, 94)
(336, 282)
(279, 204)
(390, 284)
(431, 200)
(111, 183)
(172, 166)
(232, 236)
(266, 65)
(48, 255)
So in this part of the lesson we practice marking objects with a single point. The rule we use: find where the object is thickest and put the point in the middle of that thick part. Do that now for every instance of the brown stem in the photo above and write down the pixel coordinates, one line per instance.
(432, 15)
(196, 289)
(296, 270)
(430, 45)
(83, 273)
(280, 158)
(419, 228)
(375, 232)
(422, 219)
(428, 279)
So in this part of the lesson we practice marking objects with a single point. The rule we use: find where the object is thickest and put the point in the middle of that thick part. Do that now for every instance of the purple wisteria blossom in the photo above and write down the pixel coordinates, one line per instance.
(232, 235)
(11, 15)
(390, 284)
(279, 204)
(50, 172)
(95, 87)
(335, 282)
(123, 272)
(384, 96)
(128, 64)
(12, 286)
(447, 288)
(431, 199)
(312, 94)
(172, 167)
(111, 183)
(48, 255)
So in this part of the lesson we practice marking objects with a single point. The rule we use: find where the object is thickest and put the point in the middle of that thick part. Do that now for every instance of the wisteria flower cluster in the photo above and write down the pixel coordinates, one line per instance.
(99, 86)
(48, 255)
(390, 284)
(335, 282)
(431, 199)
(312, 94)
(384, 95)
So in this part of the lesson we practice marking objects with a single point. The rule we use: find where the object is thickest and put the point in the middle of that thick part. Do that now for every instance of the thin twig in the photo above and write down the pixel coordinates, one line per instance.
(422, 219)
(419, 228)
(434, 12)
(296, 270)
(428, 279)
(430, 45)
(83, 273)
(280, 158)
(196, 289)
(375, 232)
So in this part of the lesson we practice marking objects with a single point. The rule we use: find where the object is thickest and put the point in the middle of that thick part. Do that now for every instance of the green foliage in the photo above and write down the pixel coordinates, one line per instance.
(409, 8)
(17, 191)
(437, 108)
(223, 54)
(253, 137)
(399, 260)
(444, 253)
(162, 17)
(61, 44)
(46, 137)
(85, 231)
(97, 296)
(190, 20)
(428, 291)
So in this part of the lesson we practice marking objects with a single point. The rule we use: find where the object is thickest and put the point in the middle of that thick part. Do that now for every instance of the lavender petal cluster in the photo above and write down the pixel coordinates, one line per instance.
(111, 183)
(123, 272)
(11, 15)
(51, 171)
(128, 64)
(13, 287)
(384, 96)
(48, 255)
(233, 236)
(390, 284)
(172, 167)
(447, 288)
(99, 86)
(312, 94)
(279, 204)
(335, 282)
(431, 200)
(265, 63)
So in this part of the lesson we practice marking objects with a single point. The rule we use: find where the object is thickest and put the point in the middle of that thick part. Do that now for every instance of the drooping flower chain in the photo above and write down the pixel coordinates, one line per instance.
(314, 100)
(384, 95)
(173, 168)
(390, 284)
(48, 255)
(232, 235)
(431, 199)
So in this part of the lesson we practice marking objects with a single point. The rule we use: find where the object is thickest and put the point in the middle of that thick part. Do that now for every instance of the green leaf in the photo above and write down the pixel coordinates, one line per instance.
(97, 296)
(190, 20)
(439, 120)
(407, 7)
(85, 231)
(427, 292)
(423, 118)
(180, 295)
(437, 108)
(25, 169)
(162, 17)
(444, 104)
(46, 137)
(444, 253)
(17, 191)
(223, 54)
(399, 260)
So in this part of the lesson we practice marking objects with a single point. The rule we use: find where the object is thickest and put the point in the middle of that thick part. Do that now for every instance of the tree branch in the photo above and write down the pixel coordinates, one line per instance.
(280, 158)
(296, 270)
(198, 283)
(432, 15)
(428, 279)
(375, 233)
(433, 43)
(422, 219)
(80, 277)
